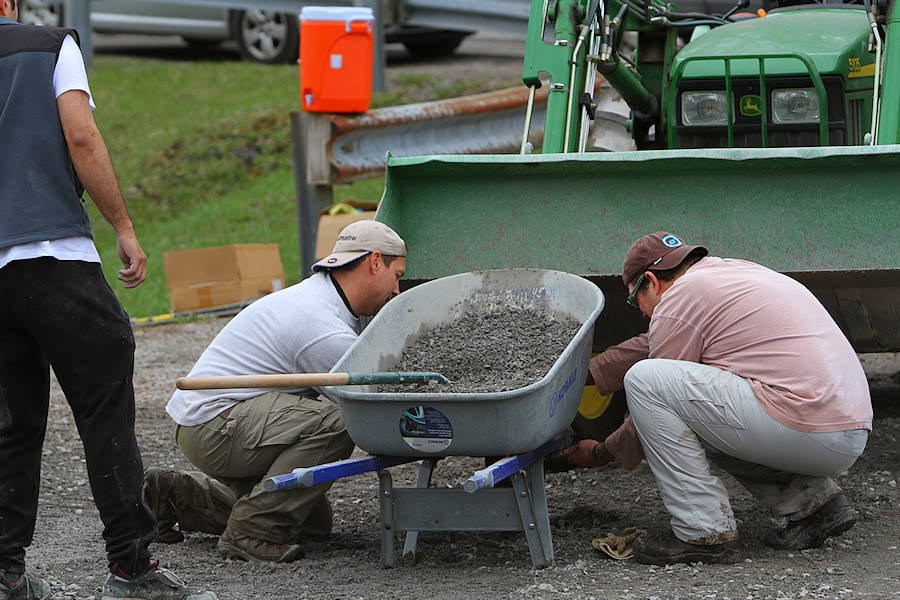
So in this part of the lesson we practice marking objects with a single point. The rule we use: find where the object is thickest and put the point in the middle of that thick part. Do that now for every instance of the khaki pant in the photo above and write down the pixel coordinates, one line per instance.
(269, 435)
(688, 415)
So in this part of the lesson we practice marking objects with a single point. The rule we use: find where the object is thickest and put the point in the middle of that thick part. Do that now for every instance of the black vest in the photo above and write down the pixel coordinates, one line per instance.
(39, 190)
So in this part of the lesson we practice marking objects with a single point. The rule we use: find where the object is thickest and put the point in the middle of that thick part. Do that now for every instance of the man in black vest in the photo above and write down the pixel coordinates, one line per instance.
(56, 309)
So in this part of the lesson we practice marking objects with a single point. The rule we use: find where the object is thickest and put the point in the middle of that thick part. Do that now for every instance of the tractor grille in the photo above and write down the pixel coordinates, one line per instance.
(747, 130)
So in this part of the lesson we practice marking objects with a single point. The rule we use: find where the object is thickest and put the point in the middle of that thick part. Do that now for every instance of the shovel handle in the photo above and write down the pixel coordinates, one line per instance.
(296, 380)
(290, 380)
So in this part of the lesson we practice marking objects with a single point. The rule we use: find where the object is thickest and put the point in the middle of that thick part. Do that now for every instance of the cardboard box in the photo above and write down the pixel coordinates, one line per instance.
(222, 275)
(330, 226)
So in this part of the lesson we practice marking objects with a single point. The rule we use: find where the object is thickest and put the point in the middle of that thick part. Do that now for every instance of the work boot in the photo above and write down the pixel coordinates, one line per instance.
(670, 550)
(832, 519)
(21, 586)
(256, 550)
(154, 584)
(160, 496)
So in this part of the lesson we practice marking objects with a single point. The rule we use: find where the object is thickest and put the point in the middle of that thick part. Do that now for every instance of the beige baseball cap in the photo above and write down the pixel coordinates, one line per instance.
(360, 238)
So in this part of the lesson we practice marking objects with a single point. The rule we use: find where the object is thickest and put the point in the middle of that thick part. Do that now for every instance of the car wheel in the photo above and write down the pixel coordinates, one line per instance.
(266, 36)
(441, 43)
(40, 12)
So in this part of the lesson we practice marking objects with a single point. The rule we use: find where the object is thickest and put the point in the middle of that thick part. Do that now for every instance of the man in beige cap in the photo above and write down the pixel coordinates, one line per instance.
(741, 367)
(238, 438)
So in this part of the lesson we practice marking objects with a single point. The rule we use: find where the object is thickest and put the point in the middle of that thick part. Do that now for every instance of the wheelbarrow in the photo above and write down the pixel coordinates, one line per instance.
(523, 424)
(434, 424)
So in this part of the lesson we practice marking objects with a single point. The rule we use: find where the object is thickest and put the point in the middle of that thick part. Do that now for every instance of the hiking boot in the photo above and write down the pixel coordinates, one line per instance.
(256, 550)
(154, 584)
(21, 586)
(670, 550)
(832, 519)
(160, 496)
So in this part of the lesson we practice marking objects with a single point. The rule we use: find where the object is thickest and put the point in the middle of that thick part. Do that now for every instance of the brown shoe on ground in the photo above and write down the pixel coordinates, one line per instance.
(832, 519)
(670, 550)
(256, 550)
(160, 496)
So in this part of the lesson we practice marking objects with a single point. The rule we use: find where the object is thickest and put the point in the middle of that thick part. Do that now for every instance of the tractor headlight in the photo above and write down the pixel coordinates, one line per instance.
(704, 108)
(795, 106)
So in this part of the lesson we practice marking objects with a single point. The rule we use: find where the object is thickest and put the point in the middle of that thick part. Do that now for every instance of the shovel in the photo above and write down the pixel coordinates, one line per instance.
(295, 380)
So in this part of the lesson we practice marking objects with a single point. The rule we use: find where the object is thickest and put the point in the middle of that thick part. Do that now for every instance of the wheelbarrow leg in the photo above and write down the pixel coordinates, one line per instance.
(531, 498)
(535, 473)
(412, 537)
(386, 499)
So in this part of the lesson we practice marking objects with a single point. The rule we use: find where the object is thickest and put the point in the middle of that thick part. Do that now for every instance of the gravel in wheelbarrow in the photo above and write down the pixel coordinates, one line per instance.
(506, 349)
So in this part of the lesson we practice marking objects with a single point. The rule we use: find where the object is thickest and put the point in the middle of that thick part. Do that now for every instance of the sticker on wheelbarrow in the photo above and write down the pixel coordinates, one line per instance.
(426, 429)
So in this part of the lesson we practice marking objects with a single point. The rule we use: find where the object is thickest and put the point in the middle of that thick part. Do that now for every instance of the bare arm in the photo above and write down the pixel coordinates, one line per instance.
(94, 167)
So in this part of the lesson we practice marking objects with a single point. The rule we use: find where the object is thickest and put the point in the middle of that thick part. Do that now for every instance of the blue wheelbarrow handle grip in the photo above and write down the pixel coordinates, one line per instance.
(491, 475)
(309, 476)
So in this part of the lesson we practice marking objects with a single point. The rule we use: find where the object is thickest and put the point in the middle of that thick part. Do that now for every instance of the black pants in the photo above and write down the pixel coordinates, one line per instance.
(65, 315)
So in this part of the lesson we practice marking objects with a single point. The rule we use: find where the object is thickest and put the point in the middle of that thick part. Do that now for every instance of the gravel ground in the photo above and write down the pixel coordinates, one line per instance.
(863, 563)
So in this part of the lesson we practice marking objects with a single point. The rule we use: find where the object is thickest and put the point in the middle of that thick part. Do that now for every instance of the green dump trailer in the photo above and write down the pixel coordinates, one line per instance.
(770, 138)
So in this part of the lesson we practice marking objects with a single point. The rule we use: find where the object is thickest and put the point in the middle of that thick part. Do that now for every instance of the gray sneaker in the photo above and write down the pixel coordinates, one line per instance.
(155, 584)
(23, 587)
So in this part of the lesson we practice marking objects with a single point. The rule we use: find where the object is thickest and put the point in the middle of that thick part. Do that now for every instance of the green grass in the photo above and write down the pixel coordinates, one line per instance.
(203, 155)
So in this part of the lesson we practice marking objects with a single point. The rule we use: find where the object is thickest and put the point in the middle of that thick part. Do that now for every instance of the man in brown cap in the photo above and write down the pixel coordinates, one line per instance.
(741, 367)
(239, 437)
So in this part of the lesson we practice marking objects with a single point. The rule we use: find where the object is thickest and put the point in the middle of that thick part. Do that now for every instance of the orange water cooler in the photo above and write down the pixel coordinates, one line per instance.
(336, 58)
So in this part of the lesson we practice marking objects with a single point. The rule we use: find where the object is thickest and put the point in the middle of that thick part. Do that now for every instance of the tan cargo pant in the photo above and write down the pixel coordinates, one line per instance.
(688, 415)
(271, 434)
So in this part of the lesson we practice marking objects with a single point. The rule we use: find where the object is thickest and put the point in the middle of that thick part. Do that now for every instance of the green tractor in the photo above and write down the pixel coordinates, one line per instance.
(800, 76)
(769, 138)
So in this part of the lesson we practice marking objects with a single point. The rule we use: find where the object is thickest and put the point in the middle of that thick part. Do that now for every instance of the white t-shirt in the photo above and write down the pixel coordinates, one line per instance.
(69, 74)
(305, 328)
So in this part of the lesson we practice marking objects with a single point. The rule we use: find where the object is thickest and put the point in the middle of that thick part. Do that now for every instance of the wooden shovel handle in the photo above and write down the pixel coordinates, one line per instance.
(290, 380)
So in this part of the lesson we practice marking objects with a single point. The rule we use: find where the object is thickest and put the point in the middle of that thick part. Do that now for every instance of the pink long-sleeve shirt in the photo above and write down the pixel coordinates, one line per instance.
(758, 324)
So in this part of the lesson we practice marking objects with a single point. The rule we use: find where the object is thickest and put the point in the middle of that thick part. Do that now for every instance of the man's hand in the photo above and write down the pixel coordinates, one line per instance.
(132, 256)
(582, 454)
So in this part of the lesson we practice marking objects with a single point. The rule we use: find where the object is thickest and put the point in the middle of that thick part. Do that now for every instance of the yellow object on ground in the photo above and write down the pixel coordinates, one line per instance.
(155, 320)
(619, 547)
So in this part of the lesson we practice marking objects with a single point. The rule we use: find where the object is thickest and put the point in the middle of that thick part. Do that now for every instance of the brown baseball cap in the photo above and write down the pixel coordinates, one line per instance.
(658, 251)
(358, 239)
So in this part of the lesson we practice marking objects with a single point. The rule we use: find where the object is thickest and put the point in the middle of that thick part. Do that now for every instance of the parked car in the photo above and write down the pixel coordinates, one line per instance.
(263, 36)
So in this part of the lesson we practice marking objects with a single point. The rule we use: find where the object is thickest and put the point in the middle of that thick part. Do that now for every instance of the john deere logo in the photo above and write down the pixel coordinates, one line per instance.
(750, 106)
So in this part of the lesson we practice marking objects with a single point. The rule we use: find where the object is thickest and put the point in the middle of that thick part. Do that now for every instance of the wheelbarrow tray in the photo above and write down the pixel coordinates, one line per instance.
(468, 424)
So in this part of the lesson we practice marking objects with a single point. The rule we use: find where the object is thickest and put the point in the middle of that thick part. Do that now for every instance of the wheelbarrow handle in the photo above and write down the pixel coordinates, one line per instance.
(295, 380)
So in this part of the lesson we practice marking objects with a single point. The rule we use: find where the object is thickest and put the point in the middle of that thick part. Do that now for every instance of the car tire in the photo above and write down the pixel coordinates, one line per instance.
(40, 12)
(441, 43)
(266, 36)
